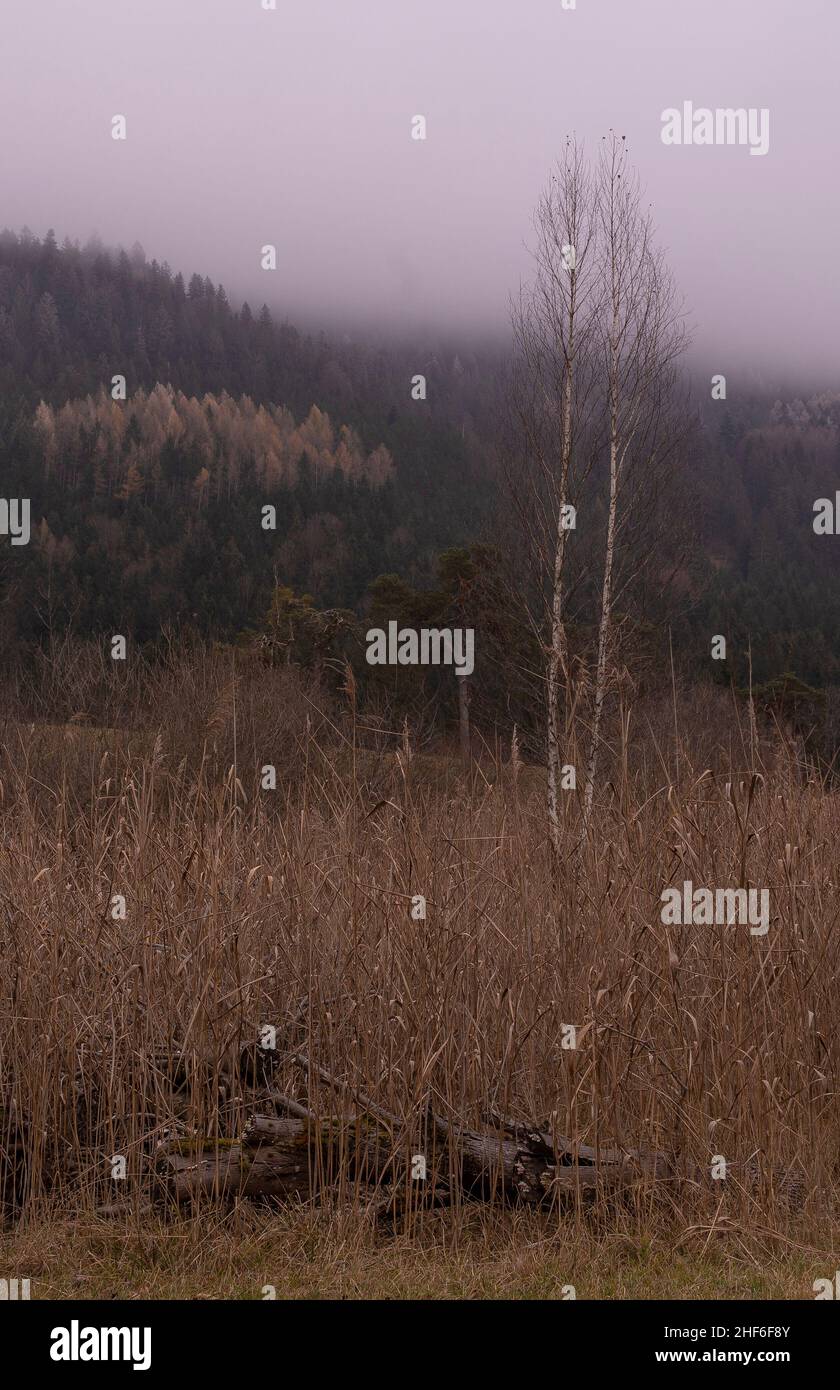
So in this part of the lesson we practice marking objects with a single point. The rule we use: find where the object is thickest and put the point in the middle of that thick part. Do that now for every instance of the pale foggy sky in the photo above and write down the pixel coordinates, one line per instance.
(248, 126)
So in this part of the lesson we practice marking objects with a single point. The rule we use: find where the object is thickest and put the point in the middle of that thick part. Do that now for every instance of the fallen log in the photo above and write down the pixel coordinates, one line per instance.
(225, 1169)
(541, 1139)
(526, 1170)
(286, 1106)
(265, 1129)
(268, 1163)
(305, 1147)
(277, 1156)
(530, 1166)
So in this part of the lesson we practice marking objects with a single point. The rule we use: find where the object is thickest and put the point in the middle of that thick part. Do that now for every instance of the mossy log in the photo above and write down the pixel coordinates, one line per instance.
(225, 1169)
(277, 1157)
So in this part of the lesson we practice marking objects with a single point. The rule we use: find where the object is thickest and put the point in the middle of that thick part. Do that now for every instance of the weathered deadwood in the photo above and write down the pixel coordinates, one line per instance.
(363, 1145)
(264, 1129)
(224, 1169)
(491, 1162)
(486, 1161)
(378, 1149)
(261, 1129)
(216, 1174)
(286, 1106)
(236, 1172)
(527, 1166)
(277, 1157)
(375, 1146)
(567, 1151)
(280, 1156)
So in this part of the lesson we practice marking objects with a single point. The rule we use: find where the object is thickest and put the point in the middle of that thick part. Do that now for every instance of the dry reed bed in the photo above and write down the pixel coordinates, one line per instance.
(248, 908)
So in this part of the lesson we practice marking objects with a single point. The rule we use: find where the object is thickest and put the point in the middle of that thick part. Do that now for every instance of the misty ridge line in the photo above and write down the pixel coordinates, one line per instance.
(438, 351)
(397, 280)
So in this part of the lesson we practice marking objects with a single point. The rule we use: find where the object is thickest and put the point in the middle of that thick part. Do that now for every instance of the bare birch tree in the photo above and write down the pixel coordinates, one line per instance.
(554, 398)
(597, 334)
(642, 334)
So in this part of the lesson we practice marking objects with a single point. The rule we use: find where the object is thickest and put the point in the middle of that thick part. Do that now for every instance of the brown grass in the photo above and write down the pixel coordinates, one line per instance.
(315, 1254)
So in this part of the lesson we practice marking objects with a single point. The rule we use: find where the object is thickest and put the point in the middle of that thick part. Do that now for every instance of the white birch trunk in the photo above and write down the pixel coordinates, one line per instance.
(603, 645)
(558, 654)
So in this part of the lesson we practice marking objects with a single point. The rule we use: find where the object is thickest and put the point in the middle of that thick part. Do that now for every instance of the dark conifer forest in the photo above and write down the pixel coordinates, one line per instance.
(146, 511)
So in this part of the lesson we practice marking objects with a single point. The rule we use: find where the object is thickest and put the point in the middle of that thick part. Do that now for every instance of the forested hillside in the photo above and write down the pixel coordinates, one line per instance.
(149, 510)
(147, 497)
